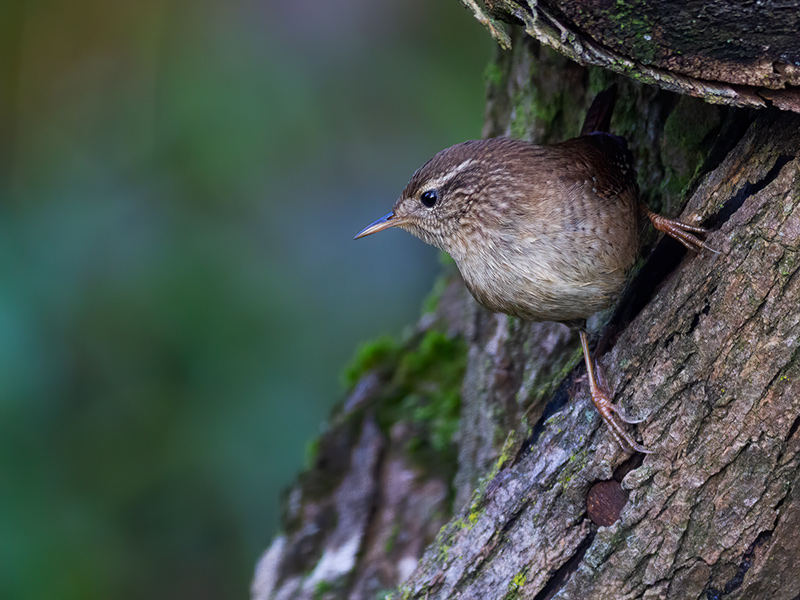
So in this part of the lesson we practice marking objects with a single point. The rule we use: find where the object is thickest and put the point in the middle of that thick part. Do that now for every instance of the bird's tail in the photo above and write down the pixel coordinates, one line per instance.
(598, 117)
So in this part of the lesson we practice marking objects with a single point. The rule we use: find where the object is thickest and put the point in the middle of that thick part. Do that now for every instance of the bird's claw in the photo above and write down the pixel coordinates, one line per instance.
(602, 384)
(683, 232)
(607, 408)
(623, 416)
(603, 402)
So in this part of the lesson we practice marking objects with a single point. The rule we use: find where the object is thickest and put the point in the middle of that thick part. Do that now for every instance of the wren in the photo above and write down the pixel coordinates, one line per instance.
(543, 233)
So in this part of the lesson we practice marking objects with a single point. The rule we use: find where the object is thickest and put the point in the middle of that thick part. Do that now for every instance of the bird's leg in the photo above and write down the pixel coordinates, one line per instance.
(603, 385)
(682, 232)
(605, 406)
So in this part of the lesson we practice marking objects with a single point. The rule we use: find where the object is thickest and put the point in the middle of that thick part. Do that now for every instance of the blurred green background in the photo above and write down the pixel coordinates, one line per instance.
(179, 185)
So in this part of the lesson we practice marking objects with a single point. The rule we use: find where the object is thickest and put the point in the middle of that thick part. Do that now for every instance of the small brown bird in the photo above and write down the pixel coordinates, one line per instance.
(543, 233)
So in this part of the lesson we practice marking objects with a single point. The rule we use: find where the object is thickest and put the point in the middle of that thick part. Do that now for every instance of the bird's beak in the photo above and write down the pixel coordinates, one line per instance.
(384, 222)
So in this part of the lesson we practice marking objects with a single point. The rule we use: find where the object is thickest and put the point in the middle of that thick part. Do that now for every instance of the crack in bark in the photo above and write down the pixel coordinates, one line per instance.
(732, 132)
(563, 574)
(718, 473)
(679, 545)
(556, 404)
(665, 505)
(795, 424)
(793, 428)
(748, 190)
(735, 582)
(661, 262)
(696, 318)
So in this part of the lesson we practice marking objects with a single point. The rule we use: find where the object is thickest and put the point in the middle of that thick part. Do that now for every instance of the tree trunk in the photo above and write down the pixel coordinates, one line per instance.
(529, 492)
(739, 53)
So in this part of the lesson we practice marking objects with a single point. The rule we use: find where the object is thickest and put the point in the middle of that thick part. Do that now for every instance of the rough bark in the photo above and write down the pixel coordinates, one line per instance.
(535, 498)
(739, 53)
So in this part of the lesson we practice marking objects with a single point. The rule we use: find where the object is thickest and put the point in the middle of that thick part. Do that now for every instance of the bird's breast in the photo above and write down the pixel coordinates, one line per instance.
(545, 275)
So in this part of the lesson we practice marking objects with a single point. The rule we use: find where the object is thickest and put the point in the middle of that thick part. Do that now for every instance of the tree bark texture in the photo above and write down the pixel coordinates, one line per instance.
(732, 52)
(529, 493)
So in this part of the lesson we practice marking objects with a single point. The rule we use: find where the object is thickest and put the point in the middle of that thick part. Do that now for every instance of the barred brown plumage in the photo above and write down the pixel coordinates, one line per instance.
(543, 233)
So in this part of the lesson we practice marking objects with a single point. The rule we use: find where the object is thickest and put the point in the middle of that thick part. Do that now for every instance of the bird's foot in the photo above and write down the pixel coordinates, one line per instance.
(607, 409)
(603, 386)
(602, 400)
(683, 232)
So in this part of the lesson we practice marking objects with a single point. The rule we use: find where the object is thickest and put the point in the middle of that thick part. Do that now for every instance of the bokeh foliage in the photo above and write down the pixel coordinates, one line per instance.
(179, 183)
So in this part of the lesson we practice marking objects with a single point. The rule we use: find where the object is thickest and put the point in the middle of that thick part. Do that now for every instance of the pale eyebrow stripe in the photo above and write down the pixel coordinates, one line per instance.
(435, 183)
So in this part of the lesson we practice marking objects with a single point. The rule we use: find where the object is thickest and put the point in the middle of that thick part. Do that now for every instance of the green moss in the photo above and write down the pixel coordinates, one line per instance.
(312, 452)
(444, 539)
(688, 132)
(404, 591)
(436, 369)
(509, 448)
(516, 584)
(576, 464)
(690, 123)
(599, 80)
(522, 116)
(443, 553)
(392, 539)
(576, 357)
(474, 516)
(461, 524)
(634, 25)
(380, 352)
(493, 74)
(547, 109)
(536, 111)
(788, 265)
(423, 388)
(325, 589)
(548, 384)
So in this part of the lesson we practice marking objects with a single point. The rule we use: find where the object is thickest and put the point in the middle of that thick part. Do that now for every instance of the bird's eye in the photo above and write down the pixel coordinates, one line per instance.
(429, 198)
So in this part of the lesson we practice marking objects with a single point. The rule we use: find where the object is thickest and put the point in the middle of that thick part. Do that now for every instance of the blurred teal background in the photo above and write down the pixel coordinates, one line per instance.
(179, 185)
